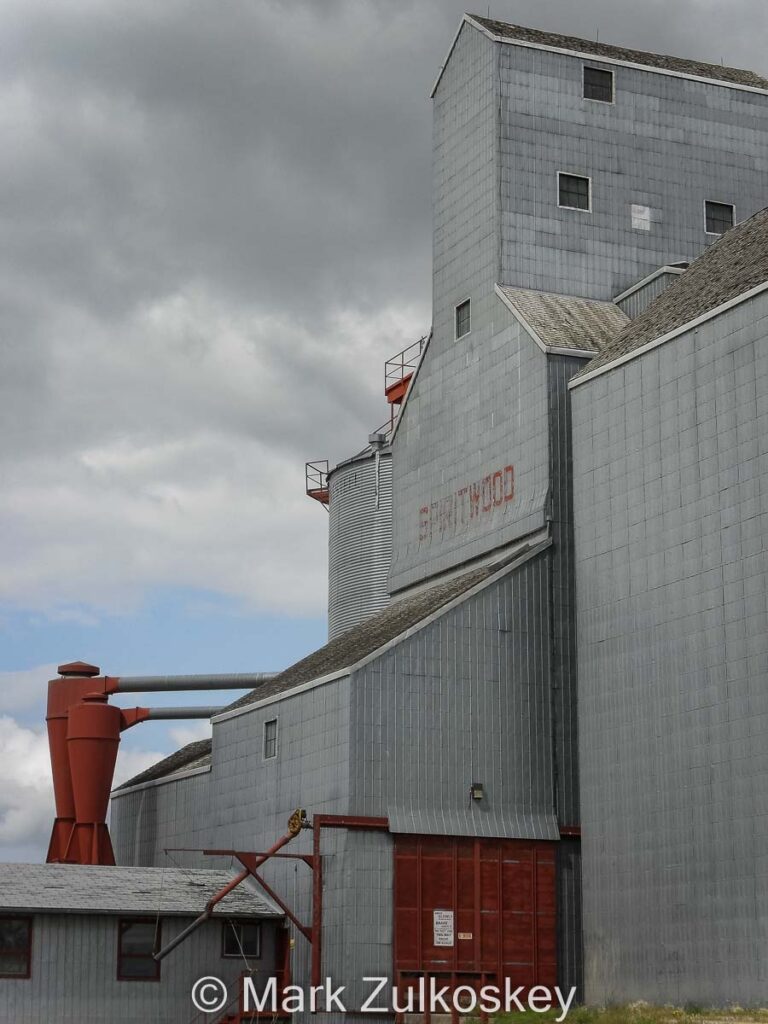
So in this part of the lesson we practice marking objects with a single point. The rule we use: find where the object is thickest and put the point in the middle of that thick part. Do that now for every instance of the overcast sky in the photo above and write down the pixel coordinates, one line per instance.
(215, 228)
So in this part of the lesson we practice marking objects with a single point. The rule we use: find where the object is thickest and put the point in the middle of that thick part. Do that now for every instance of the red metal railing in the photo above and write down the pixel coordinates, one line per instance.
(316, 477)
(399, 369)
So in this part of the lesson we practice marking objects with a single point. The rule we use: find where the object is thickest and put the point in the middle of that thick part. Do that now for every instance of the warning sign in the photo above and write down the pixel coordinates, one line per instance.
(442, 927)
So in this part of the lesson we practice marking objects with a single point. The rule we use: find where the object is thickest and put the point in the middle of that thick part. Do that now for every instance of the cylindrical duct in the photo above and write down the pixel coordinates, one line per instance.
(157, 684)
(359, 538)
(194, 711)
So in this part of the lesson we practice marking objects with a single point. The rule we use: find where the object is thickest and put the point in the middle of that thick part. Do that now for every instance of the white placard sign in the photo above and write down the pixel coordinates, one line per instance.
(442, 927)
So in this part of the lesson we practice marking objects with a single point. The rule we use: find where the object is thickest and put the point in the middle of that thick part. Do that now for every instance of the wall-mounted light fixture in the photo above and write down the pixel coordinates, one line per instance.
(476, 791)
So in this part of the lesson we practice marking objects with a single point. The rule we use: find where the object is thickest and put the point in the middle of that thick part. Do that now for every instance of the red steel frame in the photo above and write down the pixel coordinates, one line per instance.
(251, 861)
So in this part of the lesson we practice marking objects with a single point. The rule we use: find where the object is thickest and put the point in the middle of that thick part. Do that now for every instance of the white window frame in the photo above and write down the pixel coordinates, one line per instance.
(717, 234)
(591, 99)
(456, 335)
(227, 928)
(264, 755)
(573, 174)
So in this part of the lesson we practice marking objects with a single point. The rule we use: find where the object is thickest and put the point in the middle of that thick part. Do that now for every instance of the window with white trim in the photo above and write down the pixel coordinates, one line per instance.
(598, 84)
(574, 191)
(463, 319)
(718, 217)
(270, 738)
(241, 939)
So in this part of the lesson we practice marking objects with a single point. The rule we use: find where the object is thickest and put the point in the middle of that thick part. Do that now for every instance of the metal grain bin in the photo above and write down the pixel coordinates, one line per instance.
(359, 538)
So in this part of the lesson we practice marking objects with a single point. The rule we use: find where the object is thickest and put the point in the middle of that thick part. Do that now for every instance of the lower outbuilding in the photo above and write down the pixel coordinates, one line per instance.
(77, 943)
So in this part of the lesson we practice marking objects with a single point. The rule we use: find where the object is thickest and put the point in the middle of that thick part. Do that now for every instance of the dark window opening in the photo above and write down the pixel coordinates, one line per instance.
(719, 217)
(598, 85)
(573, 192)
(463, 319)
(270, 738)
(241, 938)
(15, 947)
(138, 938)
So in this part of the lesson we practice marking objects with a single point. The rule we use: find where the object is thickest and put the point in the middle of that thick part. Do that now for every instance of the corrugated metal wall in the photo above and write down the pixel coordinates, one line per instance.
(74, 974)
(146, 821)
(639, 300)
(666, 143)
(359, 540)
(563, 588)
(466, 699)
(564, 678)
(671, 516)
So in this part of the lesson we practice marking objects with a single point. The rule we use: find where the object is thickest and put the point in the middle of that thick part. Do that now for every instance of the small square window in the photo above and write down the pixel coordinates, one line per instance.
(15, 947)
(242, 939)
(574, 192)
(718, 217)
(138, 938)
(463, 319)
(598, 84)
(270, 738)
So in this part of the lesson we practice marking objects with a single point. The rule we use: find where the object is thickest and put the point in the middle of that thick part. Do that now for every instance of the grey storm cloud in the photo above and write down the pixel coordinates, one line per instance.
(216, 227)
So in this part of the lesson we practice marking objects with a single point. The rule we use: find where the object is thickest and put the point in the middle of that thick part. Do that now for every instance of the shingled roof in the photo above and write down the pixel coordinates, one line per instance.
(681, 65)
(564, 321)
(357, 643)
(731, 266)
(193, 755)
(99, 889)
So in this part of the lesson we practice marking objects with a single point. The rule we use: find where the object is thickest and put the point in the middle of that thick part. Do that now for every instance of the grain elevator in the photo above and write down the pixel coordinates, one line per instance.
(475, 706)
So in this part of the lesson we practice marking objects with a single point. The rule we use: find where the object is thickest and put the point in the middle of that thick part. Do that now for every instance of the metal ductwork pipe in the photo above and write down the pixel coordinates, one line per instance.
(203, 711)
(157, 684)
(83, 734)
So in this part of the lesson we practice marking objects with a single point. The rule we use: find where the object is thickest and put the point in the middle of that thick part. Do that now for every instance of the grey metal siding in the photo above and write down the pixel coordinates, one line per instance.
(74, 974)
(476, 407)
(563, 589)
(146, 821)
(570, 944)
(671, 521)
(465, 699)
(564, 678)
(667, 143)
(359, 540)
(640, 299)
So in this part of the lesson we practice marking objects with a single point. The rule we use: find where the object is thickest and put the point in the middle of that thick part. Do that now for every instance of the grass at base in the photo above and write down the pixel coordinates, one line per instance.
(643, 1013)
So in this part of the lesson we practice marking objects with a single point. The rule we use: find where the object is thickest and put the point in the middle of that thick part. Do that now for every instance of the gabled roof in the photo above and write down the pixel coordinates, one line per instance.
(732, 266)
(95, 889)
(590, 47)
(564, 322)
(347, 650)
(193, 755)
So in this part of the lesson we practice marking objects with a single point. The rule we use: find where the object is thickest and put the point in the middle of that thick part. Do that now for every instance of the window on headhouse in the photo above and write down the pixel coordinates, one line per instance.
(15, 947)
(718, 216)
(463, 318)
(270, 738)
(598, 84)
(573, 191)
(137, 940)
(241, 938)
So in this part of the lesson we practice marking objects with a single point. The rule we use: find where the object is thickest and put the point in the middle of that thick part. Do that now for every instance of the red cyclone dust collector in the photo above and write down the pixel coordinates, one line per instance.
(83, 736)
